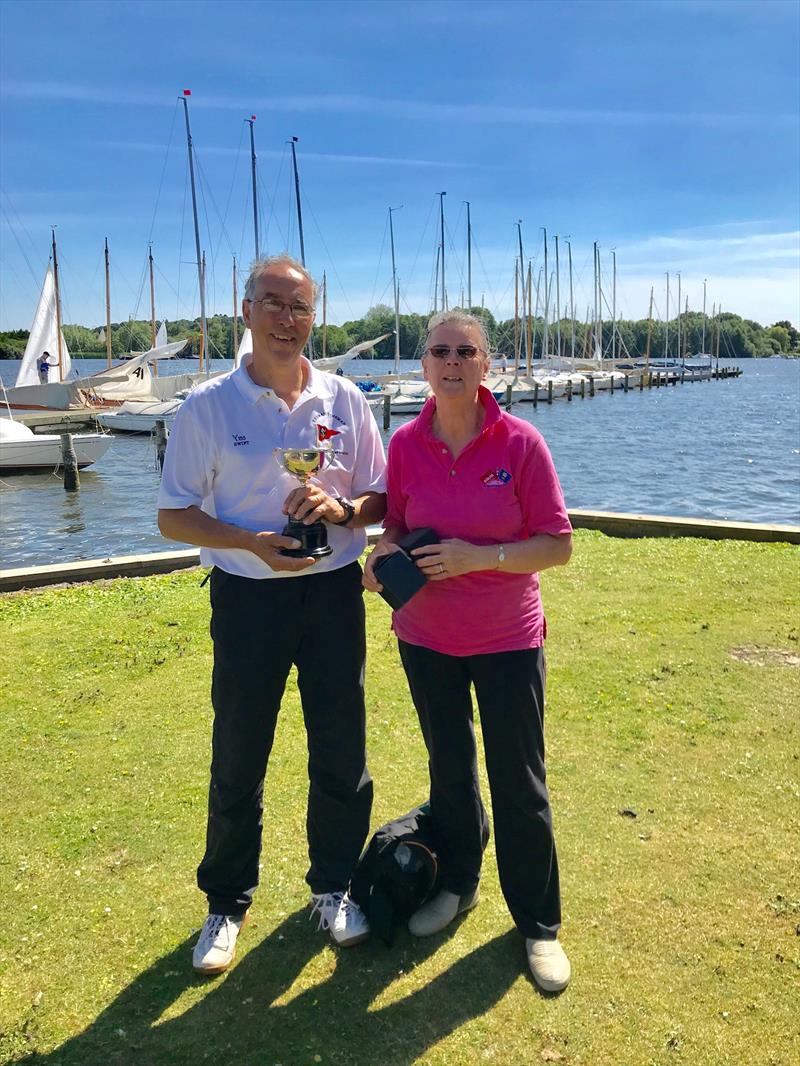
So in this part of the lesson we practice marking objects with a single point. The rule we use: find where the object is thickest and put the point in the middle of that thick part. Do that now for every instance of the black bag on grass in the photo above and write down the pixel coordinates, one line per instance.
(397, 872)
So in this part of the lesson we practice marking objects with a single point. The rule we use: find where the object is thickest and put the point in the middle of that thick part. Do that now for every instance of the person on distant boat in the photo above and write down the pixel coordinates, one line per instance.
(485, 482)
(224, 490)
(43, 367)
(503, 364)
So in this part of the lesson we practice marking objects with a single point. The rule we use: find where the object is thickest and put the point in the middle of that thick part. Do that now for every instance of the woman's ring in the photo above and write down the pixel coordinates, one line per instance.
(441, 568)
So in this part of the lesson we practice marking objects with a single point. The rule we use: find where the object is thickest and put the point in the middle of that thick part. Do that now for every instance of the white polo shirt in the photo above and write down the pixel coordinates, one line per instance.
(220, 458)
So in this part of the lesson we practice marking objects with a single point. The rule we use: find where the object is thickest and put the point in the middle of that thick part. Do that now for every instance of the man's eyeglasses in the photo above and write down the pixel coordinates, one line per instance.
(463, 351)
(300, 311)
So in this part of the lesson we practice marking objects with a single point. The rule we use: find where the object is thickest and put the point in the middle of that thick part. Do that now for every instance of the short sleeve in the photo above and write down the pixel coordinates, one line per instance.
(187, 474)
(369, 469)
(396, 498)
(543, 506)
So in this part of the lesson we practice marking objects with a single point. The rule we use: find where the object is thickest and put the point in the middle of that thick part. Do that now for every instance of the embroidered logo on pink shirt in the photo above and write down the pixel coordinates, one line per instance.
(493, 478)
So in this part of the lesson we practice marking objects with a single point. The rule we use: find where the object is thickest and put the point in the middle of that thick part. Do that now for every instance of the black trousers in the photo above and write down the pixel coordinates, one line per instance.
(259, 629)
(509, 687)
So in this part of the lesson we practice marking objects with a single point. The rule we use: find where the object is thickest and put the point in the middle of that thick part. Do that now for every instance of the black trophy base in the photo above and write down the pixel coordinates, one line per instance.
(313, 540)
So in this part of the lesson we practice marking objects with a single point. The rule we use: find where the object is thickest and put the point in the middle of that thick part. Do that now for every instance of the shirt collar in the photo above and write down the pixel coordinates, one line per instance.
(491, 408)
(317, 383)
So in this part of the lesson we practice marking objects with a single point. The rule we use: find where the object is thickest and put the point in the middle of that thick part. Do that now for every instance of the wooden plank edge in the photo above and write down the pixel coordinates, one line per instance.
(611, 523)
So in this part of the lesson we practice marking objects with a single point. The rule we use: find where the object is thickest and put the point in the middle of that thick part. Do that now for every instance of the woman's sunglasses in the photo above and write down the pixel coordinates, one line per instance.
(463, 351)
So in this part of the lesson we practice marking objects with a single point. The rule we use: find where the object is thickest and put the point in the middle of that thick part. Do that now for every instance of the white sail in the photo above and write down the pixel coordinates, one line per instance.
(161, 336)
(44, 338)
(245, 346)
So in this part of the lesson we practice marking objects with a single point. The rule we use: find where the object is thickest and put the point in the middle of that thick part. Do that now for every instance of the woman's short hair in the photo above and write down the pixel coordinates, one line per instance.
(458, 318)
(262, 265)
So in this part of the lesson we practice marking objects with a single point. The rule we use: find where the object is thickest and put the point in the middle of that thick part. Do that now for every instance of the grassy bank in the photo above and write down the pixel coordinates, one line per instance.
(673, 763)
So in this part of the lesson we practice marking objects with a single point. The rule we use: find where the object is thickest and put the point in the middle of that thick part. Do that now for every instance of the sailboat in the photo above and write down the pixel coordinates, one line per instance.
(22, 450)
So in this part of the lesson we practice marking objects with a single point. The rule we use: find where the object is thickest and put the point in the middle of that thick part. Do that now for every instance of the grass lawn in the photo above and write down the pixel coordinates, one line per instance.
(674, 670)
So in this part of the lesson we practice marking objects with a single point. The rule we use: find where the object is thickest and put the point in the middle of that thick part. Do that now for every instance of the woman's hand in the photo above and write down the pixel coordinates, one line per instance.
(449, 558)
(368, 580)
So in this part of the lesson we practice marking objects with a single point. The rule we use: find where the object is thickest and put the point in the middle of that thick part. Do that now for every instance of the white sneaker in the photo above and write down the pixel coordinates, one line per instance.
(341, 916)
(214, 951)
(549, 964)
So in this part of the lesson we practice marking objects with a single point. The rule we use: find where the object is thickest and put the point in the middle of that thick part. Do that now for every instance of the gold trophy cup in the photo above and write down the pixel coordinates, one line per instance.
(304, 463)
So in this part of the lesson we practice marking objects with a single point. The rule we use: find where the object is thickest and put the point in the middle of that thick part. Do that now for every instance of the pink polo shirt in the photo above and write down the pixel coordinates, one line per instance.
(502, 488)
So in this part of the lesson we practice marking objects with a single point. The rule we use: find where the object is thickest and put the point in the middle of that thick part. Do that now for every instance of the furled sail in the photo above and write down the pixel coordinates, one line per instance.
(44, 338)
(161, 336)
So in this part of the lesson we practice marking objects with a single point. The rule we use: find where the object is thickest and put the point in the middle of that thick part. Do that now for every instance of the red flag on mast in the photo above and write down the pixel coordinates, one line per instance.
(187, 92)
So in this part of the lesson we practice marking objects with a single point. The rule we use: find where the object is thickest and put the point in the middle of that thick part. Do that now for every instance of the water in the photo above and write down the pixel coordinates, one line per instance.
(721, 449)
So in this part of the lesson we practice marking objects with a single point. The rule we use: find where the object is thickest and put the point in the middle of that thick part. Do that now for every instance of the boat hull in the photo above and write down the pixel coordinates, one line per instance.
(44, 452)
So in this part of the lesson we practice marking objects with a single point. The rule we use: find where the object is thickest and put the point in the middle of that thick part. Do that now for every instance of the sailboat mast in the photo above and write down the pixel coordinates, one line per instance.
(469, 257)
(293, 142)
(558, 301)
(571, 303)
(442, 226)
(529, 287)
(58, 311)
(614, 307)
(649, 331)
(251, 121)
(536, 310)
(324, 313)
(108, 308)
(678, 348)
(152, 295)
(152, 309)
(396, 290)
(666, 325)
(600, 302)
(516, 315)
(235, 313)
(204, 338)
(703, 343)
(200, 271)
(546, 343)
(523, 337)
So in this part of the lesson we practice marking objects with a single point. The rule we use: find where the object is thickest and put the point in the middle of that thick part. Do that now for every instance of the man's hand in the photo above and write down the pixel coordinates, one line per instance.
(267, 547)
(310, 503)
(368, 580)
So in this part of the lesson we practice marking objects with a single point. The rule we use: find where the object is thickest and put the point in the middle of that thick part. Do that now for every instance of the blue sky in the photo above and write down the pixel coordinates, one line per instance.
(665, 130)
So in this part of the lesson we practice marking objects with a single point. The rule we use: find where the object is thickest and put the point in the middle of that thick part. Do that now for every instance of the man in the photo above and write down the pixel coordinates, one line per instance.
(43, 367)
(223, 489)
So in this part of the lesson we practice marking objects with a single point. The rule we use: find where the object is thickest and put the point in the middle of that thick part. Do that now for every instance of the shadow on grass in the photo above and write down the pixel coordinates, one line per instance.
(238, 1021)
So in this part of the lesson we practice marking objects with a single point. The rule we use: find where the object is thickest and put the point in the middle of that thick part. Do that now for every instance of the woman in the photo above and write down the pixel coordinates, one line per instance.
(484, 480)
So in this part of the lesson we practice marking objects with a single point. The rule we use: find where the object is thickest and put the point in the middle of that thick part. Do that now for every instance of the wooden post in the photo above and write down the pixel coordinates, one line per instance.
(569, 390)
(387, 410)
(611, 383)
(626, 383)
(509, 391)
(69, 460)
(683, 376)
(550, 391)
(641, 380)
(162, 436)
(583, 388)
(535, 393)
(591, 384)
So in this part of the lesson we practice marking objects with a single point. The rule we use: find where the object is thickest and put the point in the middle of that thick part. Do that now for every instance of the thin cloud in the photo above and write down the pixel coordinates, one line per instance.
(271, 153)
(409, 110)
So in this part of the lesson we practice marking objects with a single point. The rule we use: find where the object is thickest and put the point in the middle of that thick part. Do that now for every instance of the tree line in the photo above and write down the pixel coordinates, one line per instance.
(739, 338)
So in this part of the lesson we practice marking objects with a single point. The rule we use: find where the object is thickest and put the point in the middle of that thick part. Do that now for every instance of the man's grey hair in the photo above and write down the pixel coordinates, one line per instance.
(261, 265)
(459, 318)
